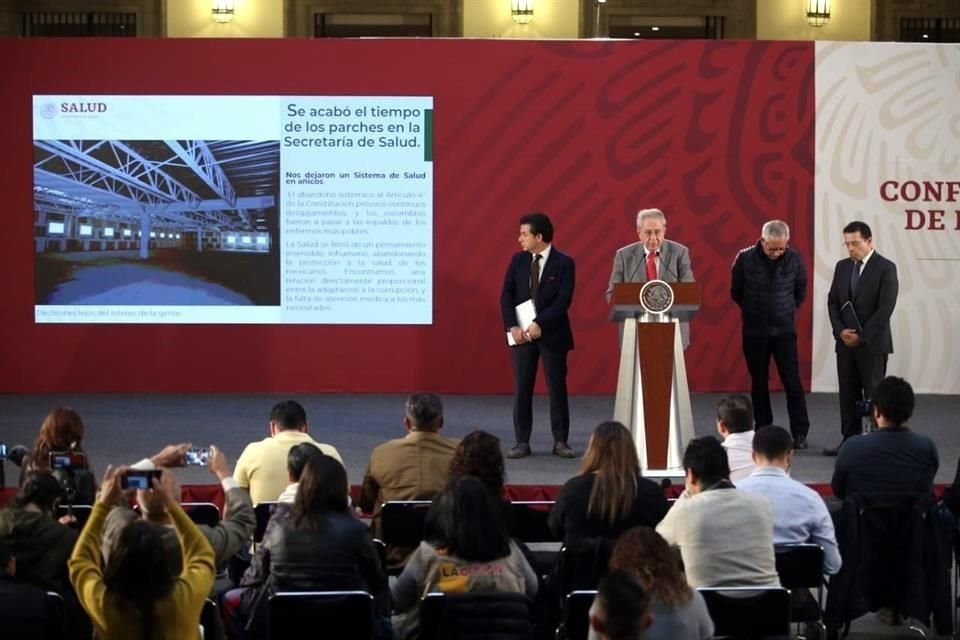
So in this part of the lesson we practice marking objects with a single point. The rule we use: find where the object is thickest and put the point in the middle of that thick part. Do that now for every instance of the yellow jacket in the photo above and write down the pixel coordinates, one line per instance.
(176, 617)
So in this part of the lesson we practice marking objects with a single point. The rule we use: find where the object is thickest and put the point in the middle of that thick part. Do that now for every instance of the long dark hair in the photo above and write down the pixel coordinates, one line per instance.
(138, 572)
(323, 487)
(470, 522)
(612, 456)
(479, 455)
(40, 488)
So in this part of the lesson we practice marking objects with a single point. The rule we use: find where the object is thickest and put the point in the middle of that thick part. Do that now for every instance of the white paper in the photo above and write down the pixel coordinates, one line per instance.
(526, 313)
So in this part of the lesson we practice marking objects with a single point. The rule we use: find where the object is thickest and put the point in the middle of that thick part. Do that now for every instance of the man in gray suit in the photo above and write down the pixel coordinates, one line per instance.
(652, 258)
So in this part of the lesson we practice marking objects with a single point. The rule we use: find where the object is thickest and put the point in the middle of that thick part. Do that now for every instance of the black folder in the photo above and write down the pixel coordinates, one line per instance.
(849, 316)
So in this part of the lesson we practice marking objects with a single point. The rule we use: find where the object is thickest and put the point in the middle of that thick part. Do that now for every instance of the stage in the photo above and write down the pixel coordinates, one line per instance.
(122, 428)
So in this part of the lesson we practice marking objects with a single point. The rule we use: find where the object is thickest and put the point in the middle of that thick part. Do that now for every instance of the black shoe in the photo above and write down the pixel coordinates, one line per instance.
(563, 450)
(800, 442)
(832, 453)
(520, 450)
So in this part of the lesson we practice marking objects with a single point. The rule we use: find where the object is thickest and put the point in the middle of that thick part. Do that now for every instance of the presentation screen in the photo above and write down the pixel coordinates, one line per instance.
(233, 209)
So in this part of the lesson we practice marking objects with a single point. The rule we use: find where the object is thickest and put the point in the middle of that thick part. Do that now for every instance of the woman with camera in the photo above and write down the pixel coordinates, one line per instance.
(59, 449)
(137, 595)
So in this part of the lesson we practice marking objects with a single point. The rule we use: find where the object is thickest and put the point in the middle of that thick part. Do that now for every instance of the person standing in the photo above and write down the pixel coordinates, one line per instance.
(543, 274)
(769, 283)
(868, 281)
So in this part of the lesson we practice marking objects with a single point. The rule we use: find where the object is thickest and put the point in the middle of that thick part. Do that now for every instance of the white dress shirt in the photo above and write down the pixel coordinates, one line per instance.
(739, 448)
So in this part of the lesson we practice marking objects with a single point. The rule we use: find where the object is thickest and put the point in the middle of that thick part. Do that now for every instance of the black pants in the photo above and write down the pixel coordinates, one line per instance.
(525, 359)
(757, 351)
(859, 371)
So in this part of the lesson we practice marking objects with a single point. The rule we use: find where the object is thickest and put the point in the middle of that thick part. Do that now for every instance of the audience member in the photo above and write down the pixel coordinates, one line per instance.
(62, 431)
(228, 537)
(609, 496)
(296, 460)
(22, 606)
(799, 513)
(321, 547)
(725, 535)
(415, 467)
(137, 595)
(735, 426)
(892, 459)
(679, 612)
(262, 467)
(472, 552)
(621, 610)
(41, 543)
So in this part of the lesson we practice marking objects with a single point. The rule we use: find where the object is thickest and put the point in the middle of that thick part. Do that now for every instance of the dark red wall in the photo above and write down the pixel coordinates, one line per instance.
(717, 134)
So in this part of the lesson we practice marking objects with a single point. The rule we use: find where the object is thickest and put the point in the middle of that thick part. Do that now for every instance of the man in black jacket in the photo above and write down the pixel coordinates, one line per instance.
(769, 282)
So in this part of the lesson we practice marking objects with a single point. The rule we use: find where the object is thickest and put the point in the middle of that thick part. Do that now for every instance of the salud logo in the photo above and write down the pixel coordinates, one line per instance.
(48, 110)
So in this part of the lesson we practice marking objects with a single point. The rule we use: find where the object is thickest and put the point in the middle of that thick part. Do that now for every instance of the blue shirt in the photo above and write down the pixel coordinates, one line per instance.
(799, 513)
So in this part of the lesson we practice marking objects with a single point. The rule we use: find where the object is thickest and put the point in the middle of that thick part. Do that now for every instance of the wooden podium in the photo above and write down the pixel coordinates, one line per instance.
(653, 398)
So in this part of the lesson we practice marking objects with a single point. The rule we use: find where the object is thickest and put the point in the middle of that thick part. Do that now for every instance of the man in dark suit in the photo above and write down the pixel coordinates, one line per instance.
(862, 329)
(546, 276)
(652, 258)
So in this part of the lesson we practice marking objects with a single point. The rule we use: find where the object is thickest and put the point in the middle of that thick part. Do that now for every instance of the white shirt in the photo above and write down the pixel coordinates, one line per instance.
(739, 448)
(799, 513)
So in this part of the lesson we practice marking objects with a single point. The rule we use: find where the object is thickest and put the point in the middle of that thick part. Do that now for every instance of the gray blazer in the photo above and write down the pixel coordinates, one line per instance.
(629, 266)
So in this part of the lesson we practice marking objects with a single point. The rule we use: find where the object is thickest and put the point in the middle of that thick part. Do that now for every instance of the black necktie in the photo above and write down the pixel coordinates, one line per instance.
(855, 276)
(535, 276)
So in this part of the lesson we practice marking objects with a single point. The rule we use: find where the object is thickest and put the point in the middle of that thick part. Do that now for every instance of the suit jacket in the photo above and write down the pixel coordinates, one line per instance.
(874, 301)
(553, 297)
(629, 265)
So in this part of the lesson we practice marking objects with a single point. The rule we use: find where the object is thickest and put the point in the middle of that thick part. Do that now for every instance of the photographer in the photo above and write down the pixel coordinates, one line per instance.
(40, 543)
(893, 459)
(226, 539)
(61, 434)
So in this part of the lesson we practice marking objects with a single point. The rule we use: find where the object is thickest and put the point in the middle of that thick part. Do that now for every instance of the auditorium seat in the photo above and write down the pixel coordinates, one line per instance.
(306, 615)
(476, 616)
(748, 613)
(202, 512)
(530, 521)
(800, 568)
(403, 522)
(263, 511)
(575, 623)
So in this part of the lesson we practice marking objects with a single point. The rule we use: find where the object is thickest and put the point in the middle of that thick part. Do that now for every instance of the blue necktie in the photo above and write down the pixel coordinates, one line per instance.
(855, 277)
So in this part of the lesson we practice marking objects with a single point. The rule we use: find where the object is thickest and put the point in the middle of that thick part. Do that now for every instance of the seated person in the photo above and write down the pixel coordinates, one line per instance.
(892, 459)
(609, 496)
(679, 612)
(725, 535)
(62, 431)
(735, 426)
(41, 543)
(262, 467)
(322, 547)
(472, 552)
(137, 595)
(228, 537)
(621, 610)
(23, 610)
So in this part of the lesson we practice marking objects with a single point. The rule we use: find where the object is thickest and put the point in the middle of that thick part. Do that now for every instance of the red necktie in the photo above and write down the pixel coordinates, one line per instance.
(652, 266)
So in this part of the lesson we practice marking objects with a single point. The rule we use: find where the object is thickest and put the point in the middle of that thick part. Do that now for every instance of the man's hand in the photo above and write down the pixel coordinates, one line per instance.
(518, 335)
(533, 331)
(850, 337)
(163, 489)
(110, 491)
(171, 456)
(218, 464)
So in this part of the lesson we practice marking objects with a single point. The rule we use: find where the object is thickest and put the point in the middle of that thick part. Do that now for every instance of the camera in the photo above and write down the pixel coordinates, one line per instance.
(865, 408)
(197, 456)
(139, 479)
(67, 460)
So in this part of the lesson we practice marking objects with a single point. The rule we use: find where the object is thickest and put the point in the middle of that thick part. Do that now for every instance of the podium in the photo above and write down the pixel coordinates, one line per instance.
(653, 397)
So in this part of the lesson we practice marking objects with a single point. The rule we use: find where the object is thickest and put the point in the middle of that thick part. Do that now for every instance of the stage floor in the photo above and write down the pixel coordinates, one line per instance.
(122, 428)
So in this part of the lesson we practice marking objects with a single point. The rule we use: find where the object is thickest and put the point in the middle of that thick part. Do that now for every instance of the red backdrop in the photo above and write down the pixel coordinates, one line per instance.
(717, 134)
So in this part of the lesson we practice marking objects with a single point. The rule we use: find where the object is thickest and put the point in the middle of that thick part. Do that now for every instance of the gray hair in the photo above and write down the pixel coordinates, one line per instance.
(775, 229)
(425, 411)
(647, 214)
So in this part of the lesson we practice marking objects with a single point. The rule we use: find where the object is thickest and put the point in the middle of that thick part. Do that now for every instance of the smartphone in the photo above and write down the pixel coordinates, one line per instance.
(139, 479)
(67, 460)
(197, 456)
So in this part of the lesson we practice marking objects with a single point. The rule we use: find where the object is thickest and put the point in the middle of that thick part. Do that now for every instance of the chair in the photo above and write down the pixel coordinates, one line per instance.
(210, 621)
(56, 615)
(345, 615)
(800, 568)
(530, 521)
(575, 624)
(205, 513)
(381, 553)
(748, 613)
(403, 522)
(263, 511)
(79, 511)
(475, 616)
(583, 564)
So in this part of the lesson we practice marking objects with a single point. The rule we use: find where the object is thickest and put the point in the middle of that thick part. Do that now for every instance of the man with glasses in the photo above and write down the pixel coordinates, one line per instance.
(862, 296)
(769, 282)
